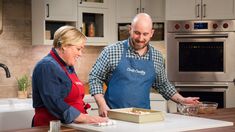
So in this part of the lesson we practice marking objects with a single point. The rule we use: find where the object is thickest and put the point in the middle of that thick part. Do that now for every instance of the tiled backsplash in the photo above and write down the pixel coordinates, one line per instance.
(17, 52)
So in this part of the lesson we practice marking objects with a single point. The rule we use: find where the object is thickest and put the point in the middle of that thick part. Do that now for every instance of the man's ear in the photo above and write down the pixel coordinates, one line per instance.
(152, 32)
(129, 28)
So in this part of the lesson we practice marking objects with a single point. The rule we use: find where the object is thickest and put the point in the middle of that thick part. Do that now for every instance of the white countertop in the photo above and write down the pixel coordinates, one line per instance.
(172, 123)
(15, 104)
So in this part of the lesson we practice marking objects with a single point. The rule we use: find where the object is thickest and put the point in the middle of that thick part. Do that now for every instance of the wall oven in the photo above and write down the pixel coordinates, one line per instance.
(201, 57)
(201, 50)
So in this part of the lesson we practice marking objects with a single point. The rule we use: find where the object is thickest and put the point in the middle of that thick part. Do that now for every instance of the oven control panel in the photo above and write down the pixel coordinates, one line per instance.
(201, 26)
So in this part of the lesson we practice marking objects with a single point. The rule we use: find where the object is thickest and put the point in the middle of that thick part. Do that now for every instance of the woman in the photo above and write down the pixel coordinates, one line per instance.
(57, 92)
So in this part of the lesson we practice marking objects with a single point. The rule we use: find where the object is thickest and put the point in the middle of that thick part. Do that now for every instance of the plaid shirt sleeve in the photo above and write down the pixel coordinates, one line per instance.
(104, 66)
(162, 84)
(98, 73)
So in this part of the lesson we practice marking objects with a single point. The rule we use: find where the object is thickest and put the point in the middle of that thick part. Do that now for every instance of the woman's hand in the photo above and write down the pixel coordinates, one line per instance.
(85, 118)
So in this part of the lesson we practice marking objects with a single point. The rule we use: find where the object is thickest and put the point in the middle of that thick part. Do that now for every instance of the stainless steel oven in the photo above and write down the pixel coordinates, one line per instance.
(201, 59)
(201, 51)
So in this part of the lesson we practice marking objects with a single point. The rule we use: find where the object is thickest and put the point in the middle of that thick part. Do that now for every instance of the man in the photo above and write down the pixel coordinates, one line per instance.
(130, 68)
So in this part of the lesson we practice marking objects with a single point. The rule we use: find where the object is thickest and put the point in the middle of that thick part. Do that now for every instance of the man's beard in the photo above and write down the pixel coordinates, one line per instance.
(137, 46)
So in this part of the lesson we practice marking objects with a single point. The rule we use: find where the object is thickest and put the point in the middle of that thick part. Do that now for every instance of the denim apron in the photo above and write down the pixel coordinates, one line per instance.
(130, 83)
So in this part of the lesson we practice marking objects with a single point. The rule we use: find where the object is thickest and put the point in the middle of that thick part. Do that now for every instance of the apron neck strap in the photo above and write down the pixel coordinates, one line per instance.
(57, 60)
(126, 42)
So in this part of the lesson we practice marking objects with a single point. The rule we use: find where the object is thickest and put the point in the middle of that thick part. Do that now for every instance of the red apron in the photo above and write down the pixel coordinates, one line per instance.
(43, 117)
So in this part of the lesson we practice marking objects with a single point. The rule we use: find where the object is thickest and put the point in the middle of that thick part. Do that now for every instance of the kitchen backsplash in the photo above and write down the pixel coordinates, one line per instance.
(17, 52)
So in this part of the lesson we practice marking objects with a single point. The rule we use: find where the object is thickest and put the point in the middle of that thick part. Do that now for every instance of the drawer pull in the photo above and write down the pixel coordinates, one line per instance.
(94, 108)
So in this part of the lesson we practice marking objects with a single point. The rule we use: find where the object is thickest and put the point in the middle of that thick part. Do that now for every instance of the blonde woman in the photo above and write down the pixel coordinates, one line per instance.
(57, 92)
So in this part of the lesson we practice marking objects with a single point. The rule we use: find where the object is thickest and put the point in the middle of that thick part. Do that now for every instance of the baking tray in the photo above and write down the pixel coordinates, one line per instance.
(137, 115)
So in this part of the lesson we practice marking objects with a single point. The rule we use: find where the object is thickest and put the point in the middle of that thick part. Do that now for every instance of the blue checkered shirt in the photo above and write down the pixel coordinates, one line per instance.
(110, 57)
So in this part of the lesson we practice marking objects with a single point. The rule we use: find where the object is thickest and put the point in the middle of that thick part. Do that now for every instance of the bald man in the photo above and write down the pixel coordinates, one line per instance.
(130, 68)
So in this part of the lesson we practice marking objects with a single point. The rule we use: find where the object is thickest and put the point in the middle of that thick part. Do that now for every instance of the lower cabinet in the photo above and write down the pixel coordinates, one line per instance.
(157, 102)
(16, 119)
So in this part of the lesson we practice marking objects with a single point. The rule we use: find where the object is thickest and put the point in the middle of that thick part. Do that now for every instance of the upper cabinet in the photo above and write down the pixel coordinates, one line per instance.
(48, 16)
(92, 17)
(155, 8)
(61, 10)
(94, 23)
(93, 20)
(127, 9)
(199, 9)
(93, 3)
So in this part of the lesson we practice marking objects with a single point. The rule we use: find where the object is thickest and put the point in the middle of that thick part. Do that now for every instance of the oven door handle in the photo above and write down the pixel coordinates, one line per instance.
(200, 85)
(180, 36)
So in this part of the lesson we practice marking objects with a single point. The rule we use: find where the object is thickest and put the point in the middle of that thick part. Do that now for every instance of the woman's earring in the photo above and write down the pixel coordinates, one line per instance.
(59, 43)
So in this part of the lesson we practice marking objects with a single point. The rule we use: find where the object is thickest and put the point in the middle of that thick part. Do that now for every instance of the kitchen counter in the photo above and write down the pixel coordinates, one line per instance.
(227, 114)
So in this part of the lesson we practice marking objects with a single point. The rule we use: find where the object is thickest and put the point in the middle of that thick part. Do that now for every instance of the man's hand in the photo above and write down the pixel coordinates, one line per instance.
(185, 100)
(103, 111)
(103, 108)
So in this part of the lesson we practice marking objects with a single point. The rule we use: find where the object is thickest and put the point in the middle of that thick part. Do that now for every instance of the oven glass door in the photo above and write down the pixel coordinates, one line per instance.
(200, 57)
(205, 56)
(201, 52)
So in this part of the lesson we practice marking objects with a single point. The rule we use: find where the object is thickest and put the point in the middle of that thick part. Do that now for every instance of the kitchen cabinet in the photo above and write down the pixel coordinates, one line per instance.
(199, 9)
(94, 23)
(15, 113)
(93, 3)
(157, 102)
(61, 10)
(127, 9)
(48, 16)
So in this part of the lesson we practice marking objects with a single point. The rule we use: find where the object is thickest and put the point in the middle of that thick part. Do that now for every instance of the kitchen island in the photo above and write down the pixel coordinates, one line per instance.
(227, 114)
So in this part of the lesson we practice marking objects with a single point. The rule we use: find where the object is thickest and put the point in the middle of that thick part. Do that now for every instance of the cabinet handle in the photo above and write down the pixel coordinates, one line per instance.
(94, 109)
(80, 1)
(137, 9)
(204, 10)
(142, 9)
(198, 10)
(48, 12)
